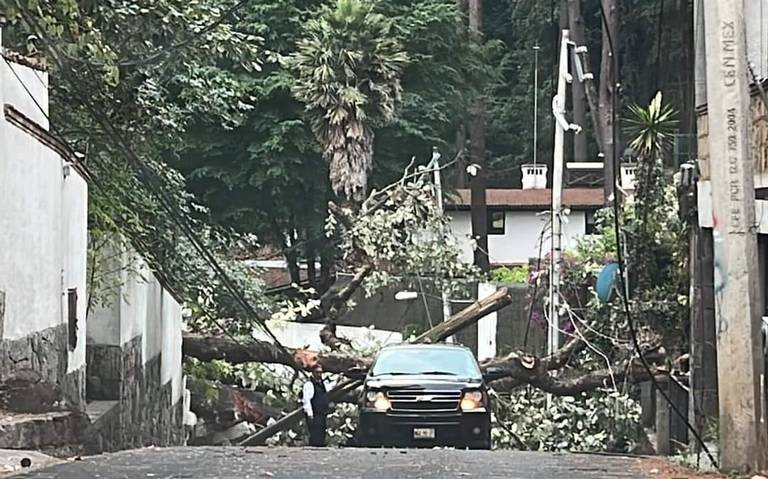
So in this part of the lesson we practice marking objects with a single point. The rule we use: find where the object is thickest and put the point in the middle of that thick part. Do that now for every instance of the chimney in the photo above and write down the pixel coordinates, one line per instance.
(534, 177)
(628, 176)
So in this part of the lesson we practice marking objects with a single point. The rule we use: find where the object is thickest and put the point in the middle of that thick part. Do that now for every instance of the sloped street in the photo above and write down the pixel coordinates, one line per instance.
(300, 463)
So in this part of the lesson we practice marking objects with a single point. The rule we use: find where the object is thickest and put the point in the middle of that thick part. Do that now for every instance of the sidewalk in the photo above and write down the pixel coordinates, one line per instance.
(11, 461)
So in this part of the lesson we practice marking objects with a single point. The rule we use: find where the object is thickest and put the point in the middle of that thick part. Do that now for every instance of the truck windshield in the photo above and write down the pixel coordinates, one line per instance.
(439, 361)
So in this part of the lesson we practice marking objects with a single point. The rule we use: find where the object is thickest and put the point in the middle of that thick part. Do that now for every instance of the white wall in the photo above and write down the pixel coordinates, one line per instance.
(140, 306)
(43, 220)
(153, 337)
(31, 249)
(75, 224)
(14, 93)
(756, 17)
(520, 240)
(299, 335)
(170, 369)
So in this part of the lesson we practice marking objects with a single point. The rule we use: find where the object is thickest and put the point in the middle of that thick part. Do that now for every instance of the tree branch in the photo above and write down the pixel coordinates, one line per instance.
(218, 347)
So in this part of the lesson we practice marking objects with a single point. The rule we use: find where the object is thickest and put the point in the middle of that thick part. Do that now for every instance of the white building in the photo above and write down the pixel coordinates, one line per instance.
(518, 219)
(43, 238)
(121, 365)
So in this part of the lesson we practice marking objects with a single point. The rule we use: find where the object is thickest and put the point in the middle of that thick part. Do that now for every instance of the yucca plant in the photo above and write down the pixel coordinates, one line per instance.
(651, 129)
(348, 69)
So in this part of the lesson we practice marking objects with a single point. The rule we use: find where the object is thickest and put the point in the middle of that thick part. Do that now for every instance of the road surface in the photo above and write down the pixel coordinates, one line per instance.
(310, 463)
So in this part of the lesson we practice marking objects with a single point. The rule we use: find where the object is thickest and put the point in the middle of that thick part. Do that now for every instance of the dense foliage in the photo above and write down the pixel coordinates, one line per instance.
(209, 125)
(599, 421)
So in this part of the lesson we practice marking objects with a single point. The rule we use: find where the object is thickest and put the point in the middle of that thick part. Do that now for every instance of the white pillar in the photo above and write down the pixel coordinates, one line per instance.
(737, 302)
(486, 327)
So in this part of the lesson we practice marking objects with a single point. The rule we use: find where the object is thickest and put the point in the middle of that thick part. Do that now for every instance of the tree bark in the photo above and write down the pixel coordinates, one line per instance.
(292, 260)
(218, 347)
(576, 24)
(311, 258)
(479, 210)
(578, 96)
(326, 271)
(224, 406)
(461, 156)
(608, 78)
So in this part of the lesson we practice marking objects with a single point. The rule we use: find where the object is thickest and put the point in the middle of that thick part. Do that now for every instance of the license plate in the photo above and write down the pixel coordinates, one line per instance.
(423, 433)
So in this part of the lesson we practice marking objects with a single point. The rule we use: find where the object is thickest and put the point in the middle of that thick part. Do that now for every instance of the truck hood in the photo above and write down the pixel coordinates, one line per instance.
(422, 381)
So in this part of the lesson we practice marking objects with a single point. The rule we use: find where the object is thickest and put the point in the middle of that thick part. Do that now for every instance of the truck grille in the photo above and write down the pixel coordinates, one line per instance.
(418, 400)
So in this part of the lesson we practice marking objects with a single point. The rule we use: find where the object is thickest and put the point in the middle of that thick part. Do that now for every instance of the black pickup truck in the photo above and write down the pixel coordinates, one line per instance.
(425, 395)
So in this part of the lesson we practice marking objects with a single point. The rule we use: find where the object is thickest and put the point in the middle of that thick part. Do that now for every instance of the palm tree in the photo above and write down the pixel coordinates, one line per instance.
(348, 70)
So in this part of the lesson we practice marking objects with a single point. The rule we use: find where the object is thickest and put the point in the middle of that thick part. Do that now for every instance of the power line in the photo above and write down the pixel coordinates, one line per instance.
(156, 187)
(26, 89)
(620, 254)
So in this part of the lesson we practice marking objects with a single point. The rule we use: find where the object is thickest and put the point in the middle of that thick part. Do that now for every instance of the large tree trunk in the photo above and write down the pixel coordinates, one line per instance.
(292, 260)
(461, 156)
(461, 128)
(326, 270)
(311, 257)
(479, 211)
(237, 352)
(224, 405)
(608, 78)
(578, 95)
(576, 24)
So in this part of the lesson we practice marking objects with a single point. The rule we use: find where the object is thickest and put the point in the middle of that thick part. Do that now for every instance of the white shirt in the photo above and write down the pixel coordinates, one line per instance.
(308, 392)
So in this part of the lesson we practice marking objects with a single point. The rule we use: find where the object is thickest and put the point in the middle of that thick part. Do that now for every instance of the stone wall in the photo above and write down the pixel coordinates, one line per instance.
(144, 412)
(39, 361)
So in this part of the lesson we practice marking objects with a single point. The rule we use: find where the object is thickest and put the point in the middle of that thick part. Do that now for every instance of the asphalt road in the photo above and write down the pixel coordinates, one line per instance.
(310, 463)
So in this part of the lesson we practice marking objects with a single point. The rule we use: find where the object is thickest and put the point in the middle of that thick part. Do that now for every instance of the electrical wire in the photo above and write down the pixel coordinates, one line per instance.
(535, 288)
(620, 255)
(26, 89)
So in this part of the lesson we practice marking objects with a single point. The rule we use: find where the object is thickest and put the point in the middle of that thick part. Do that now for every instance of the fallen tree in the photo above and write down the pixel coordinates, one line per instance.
(207, 348)
(226, 348)
(454, 324)
(225, 405)
(515, 369)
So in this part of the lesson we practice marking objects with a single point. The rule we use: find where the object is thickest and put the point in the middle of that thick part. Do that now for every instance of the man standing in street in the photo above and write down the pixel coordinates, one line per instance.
(315, 400)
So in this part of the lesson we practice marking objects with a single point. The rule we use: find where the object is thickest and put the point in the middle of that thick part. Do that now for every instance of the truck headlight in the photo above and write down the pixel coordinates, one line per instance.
(472, 401)
(377, 400)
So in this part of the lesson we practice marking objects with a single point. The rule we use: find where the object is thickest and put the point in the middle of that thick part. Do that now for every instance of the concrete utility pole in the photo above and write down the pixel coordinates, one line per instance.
(740, 368)
(561, 126)
(435, 165)
(558, 109)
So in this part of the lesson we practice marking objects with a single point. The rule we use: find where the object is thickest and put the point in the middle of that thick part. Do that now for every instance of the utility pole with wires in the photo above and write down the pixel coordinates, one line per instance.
(561, 126)
(434, 165)
(737, 300)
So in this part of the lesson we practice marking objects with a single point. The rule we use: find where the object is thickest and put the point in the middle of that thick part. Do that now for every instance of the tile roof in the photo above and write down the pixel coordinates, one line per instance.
(31, 62)
(526, 199)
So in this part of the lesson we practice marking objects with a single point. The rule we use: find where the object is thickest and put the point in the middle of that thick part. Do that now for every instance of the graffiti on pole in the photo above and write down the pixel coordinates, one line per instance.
(721, 277)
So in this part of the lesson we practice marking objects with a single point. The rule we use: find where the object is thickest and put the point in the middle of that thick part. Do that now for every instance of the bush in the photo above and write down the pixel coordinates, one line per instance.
(598, 421)
(514, 275)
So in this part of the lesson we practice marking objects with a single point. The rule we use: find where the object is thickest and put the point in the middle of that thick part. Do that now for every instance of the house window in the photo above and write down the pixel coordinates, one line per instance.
(72, 317)
(496, 222)
(589, 223)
